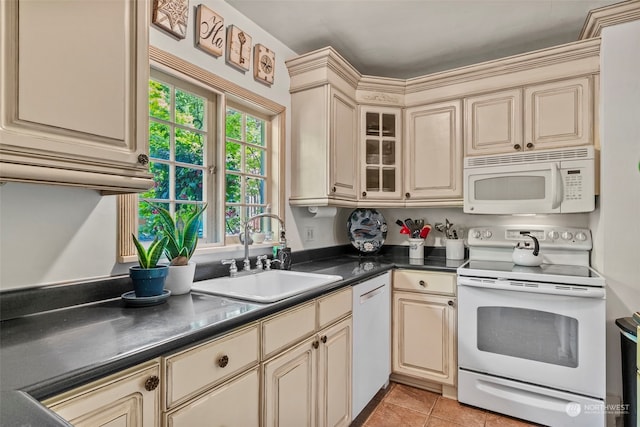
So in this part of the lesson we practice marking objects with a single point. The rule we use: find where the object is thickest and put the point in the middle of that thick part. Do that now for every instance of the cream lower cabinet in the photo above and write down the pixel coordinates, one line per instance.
(433, 154)
(74, 102)
(424, 330)
(130, 398)
(309, 383)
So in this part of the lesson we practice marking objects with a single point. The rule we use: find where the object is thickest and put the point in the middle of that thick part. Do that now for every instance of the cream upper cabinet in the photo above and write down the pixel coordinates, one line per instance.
(433, 154)
(380, 153)
(424, 328)
(493, 122)
(558, 114)
(130, 398)
(74, 104)
(324, 150)
(548, 115)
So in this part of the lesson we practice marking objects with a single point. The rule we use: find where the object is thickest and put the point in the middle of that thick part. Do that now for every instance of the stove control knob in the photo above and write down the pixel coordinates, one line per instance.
(567, 235)
(553, 235)
(475, 234)
(487, 234)
(581, 236)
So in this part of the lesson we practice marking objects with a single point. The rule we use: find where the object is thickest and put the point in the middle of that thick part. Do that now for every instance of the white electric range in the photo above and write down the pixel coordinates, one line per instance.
(531, 340)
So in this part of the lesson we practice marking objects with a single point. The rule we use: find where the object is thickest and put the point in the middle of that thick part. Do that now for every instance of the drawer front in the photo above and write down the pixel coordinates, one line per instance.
(288, 328)
(235, 403)
(335, 306)
(425, 281)
(201, 367)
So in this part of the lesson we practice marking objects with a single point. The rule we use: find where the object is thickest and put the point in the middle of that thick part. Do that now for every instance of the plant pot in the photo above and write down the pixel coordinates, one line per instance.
(148, 282)
(180, 278)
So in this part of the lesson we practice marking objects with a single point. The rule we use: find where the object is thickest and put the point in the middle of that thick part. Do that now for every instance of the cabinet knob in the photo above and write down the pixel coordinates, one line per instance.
(364, 194)
(223, 361)
(315, 344)
(422, 283)
(407, 195)
(529, 145)
(450, 302)
(151, 383)
(143, 159)
(323, 339)
(517, 147)
(333, 189)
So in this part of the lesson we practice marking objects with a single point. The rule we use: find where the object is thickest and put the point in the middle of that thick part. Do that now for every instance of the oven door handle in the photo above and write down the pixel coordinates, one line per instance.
(533, 287)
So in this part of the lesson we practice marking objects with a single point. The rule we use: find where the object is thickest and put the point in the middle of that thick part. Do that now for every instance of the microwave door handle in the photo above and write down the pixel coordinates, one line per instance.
(556, 186)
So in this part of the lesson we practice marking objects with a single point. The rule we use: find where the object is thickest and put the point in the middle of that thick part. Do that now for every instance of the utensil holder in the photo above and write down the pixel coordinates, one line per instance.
(416, 248)
(454, 248)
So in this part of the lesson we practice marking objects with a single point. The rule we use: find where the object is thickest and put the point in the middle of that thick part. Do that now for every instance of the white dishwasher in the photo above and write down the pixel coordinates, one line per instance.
(371, 339)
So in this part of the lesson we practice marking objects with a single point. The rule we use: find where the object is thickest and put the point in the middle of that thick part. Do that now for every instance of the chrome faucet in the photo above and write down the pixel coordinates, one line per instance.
(283, 240)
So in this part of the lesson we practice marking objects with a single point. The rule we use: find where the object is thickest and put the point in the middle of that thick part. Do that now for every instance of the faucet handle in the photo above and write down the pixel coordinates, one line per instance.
(259, 259)
(233, 267)
(246, 264)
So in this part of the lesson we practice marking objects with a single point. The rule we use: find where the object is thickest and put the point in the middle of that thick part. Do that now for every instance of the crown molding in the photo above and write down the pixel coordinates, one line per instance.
(326, 58)
(614, 14)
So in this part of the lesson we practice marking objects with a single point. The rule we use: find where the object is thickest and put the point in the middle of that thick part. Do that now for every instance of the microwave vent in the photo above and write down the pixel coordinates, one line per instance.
(530, 157)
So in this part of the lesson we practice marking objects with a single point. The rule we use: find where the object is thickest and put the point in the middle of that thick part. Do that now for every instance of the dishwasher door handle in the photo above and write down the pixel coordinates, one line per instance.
(371, 294)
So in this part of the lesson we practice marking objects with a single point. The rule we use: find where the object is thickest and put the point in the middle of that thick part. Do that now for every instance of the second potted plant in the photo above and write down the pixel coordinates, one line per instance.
(148, 277)
(182, 234)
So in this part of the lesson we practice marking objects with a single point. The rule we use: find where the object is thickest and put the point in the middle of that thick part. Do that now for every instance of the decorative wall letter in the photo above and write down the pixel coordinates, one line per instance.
(209, 31)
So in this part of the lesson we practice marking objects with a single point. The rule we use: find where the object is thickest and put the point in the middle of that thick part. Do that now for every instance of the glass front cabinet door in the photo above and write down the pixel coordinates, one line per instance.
(381, 153)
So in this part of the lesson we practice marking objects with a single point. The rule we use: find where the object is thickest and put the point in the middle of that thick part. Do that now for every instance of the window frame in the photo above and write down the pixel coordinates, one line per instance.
(127, 204)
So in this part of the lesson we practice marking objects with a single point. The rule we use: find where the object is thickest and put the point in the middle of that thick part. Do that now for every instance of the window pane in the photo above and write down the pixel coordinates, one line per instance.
(189, 109)
(188, 183)
(159, 100)
(256, 160)
(159, 140)
(184, 209)
(255, 131)
(388, 152)
(160, 189)
(148, 220)
(256, 224)
(189, 146)
(234, 184)
(234, 124)
(255, 191)
(234, 156)
(232, 218)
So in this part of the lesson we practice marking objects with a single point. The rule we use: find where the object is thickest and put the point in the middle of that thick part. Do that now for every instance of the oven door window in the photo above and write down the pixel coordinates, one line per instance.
(528, 334)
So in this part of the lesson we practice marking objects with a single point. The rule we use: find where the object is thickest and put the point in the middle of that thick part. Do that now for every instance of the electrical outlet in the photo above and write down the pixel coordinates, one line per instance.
(310, 234)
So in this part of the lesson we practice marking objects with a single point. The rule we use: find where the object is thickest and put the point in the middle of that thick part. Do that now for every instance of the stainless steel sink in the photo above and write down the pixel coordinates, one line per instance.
(265, 287)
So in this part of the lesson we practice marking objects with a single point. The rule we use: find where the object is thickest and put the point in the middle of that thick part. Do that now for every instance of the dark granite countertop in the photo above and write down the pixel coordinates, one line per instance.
(43, 354)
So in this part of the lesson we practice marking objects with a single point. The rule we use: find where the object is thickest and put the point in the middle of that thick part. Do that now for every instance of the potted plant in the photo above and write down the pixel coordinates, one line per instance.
(182, 234)
(149, 277)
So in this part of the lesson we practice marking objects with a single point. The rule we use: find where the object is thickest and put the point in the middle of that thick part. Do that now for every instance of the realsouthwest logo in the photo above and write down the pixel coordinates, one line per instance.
(574, 409)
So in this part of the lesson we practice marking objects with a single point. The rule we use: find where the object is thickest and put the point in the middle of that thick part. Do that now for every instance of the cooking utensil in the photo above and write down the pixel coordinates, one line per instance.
(527, 255)
(411, 226)
(424, 232)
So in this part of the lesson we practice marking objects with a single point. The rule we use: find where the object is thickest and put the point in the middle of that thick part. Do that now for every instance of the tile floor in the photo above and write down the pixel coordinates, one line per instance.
(403, 406)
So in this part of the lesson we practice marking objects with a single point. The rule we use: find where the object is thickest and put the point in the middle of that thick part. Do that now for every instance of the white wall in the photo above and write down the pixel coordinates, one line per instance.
(617, 227)
(54, 234)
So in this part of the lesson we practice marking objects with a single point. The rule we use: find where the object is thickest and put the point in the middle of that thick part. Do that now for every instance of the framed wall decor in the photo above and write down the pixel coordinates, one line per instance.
(171, 16)
(209, 31)
(264, 64)
(238, 48)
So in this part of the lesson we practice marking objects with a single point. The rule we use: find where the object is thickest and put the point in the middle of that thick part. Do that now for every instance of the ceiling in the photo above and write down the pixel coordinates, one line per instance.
(410, 38)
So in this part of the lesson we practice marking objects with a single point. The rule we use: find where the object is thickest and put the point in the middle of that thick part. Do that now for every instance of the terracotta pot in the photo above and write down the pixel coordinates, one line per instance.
(180, 278)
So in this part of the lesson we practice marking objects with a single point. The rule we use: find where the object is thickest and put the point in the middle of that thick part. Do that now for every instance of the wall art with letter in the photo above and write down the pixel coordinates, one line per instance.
(171, 16)
(209, 31)
(238, 48)
(264, 64)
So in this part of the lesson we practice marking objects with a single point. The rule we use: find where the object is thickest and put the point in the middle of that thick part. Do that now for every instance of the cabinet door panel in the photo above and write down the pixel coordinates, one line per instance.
(233, 404)
(343, 145)
(558, 114)
(424, 337)
(334, 375)
(434, 152)
(290, 387)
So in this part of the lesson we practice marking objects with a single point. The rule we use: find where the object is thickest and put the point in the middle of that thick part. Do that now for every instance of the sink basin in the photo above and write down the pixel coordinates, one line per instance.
(268, 286)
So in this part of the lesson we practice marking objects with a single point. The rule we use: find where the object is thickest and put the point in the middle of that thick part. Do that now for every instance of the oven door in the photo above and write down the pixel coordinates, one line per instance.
(548, 335)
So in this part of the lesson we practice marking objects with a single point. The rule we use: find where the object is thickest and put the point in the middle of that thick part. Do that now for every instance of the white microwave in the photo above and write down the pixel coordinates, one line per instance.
(533, 182)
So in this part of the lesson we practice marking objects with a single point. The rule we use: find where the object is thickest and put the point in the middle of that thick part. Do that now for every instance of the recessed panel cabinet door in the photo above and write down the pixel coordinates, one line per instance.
(74, 100)
(344, 146)
(433, 158)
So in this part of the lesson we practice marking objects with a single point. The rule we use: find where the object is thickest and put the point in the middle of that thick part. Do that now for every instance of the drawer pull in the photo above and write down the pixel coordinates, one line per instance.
(151, 383)
(315, 344)
(323, 339)
(450, 303)
(422, 283)
(223, 361)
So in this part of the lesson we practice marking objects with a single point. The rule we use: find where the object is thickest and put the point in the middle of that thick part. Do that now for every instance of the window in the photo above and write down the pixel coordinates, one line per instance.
(211, 141)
